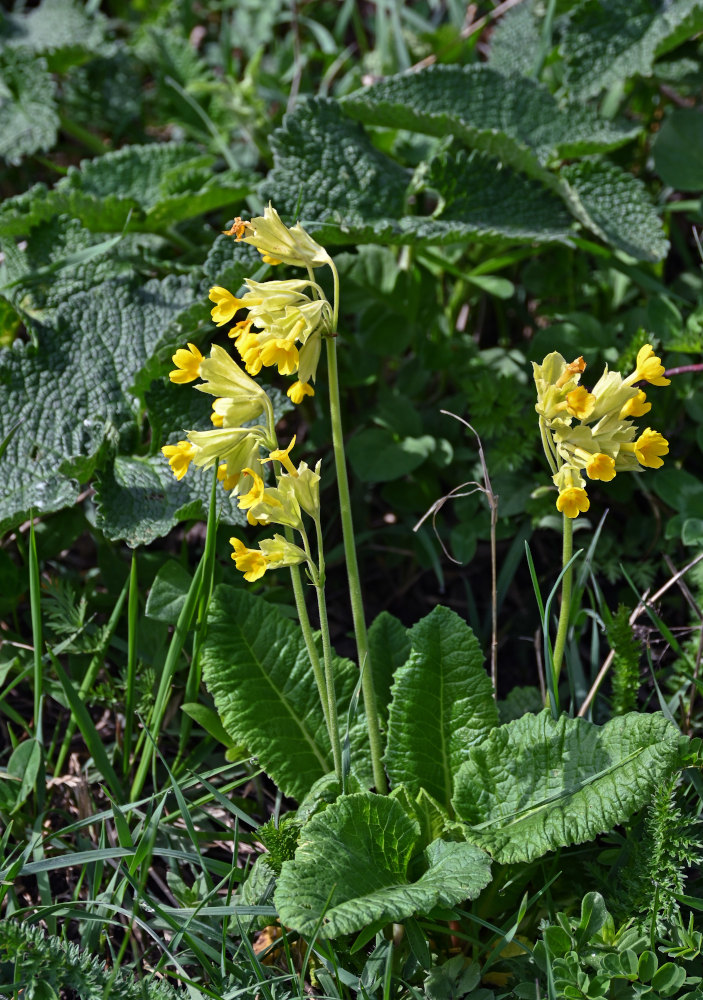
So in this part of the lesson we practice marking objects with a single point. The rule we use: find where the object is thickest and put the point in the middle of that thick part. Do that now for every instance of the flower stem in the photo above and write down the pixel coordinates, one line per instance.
(563, 627)
(309, 641)
(329, 678)
(355, 597)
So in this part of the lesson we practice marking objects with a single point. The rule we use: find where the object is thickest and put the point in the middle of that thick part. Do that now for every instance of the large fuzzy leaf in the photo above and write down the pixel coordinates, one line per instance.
(389, 648)
(329, 174)
(28, 115)
(359, 862)
(605, 43)
(68, 398)
(442, 703)
(53, 26)
(515, 119)
(256, 668)
(537, 784)
(615, 205)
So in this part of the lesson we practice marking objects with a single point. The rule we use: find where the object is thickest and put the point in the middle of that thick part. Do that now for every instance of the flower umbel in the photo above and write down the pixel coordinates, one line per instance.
(278, 243)
(593, 432)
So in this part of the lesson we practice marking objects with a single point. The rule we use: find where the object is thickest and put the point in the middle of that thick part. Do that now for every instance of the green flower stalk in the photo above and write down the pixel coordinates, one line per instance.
(591, 435)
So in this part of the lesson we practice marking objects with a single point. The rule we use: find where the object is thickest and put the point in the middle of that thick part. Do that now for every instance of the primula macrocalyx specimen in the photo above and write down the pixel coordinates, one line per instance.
(649, 447)
(593, 432)
(282, 455)
(272, 553)
(278, 243)
(573, 501)
(226, 305)
(179, 457)
(187, 364)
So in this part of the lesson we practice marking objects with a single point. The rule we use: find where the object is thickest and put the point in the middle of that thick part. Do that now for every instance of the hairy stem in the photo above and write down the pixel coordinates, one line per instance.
(563, 627)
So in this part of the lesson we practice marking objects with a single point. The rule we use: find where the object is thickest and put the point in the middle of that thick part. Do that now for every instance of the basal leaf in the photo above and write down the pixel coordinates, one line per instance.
(442, 703)
(514, 119)
(359, 863)
(389, 648)
(678, 150)
(28, 114)
(256, 667)
(605, 43)
(53, 26)
(537, 784)
(615, 205)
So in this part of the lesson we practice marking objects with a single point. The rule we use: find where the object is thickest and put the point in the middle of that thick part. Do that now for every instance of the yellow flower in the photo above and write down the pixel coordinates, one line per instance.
(226, 305)
(573, 501)
(187, 364)
(217, 419)
(251, 562)
(580, 403)
(601, 467)
(179, 457)
(228, 482)
(280, 352)
(648, 367)
(281, 244)
(299, 390)
(649, 446)
(283, 456)
(636, 407)
(257, 496)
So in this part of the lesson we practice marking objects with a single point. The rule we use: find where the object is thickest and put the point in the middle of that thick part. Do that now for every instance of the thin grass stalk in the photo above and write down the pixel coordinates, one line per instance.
(130, 689)
(97, 661)
(35, 609)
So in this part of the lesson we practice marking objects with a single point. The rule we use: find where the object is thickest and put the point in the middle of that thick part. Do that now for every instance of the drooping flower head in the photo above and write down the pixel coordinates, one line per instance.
(592, 432)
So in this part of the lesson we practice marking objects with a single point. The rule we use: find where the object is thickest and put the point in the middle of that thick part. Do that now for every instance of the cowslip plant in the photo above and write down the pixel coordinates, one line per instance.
(592, 433)
(465, 791)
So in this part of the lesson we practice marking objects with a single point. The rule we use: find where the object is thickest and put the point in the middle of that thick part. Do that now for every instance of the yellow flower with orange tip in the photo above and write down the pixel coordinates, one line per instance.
(649, 446)
(179, 457)
(279, 243)
(636, 407)
(573, 501)
(187, 364)
(280, 352)
(298, 391)
(226, 305)
(251, 562)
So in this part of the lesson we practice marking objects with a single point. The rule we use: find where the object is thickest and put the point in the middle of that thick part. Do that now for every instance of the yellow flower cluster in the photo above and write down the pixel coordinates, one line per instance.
(593, 432)
(285, 320)
(281, 316)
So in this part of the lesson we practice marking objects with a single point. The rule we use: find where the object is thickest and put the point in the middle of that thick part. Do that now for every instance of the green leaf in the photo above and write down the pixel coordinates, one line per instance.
(139, 499)
(678, 150)
(514, 119)
(481, 197)
(606, 43)
(28, 115)
(377, 457)
(168, 593)
(389, 648)
(256, 667)
(442, 703)
(71, 395)
(615, 205)
(516, 41)
(24, 766)
(356, 864)
(55, 25)
(537, 784)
